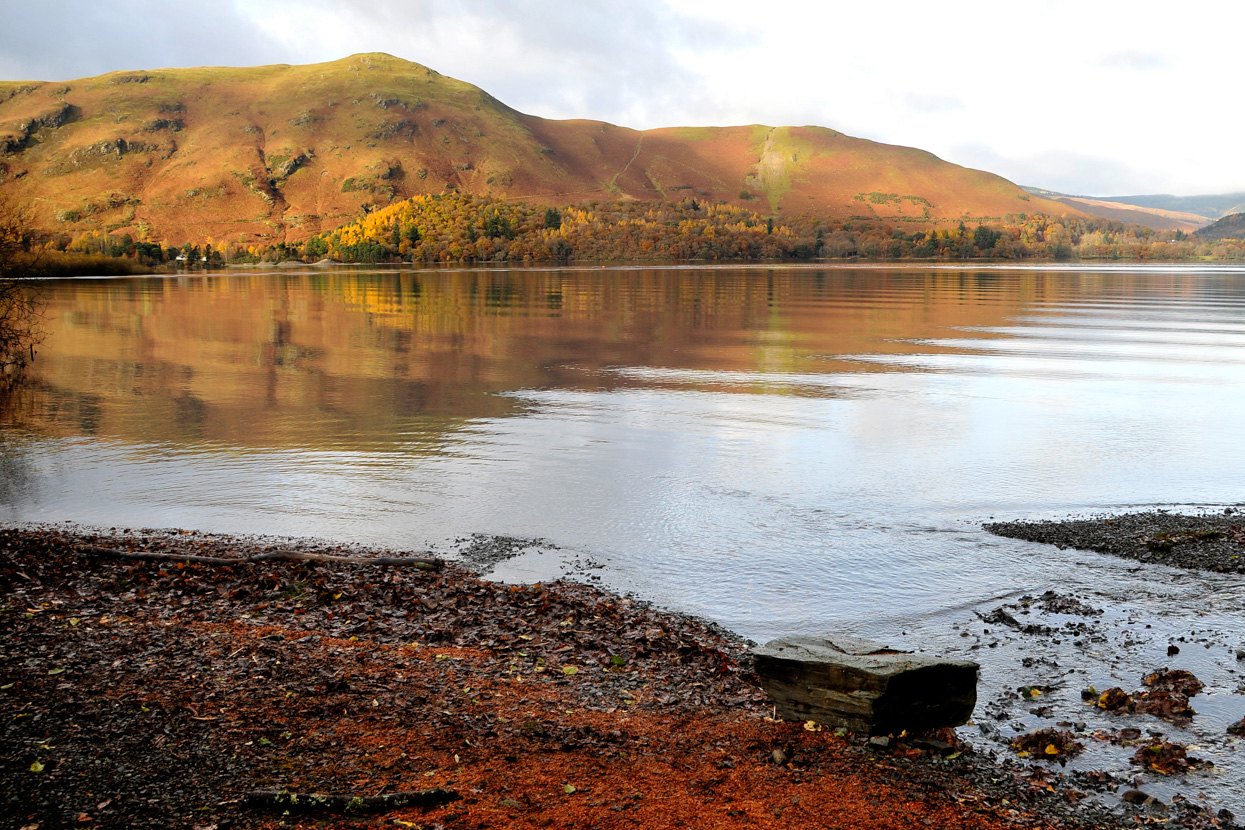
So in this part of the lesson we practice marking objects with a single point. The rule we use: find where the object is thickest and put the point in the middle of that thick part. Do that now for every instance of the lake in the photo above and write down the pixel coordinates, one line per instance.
(777, 448)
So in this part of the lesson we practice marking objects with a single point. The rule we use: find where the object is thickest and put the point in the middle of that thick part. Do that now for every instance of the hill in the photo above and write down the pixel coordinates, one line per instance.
(1211, 206)
(1231, 226)
(281, 153)
(1162, 212)
(1148, 216)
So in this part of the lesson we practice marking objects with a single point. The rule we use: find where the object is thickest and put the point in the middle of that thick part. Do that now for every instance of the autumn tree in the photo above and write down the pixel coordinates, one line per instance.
(985, 237)
(20, 307)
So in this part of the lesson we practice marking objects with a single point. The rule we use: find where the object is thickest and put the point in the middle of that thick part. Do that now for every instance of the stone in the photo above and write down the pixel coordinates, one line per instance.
(864, 686)
(933, 745)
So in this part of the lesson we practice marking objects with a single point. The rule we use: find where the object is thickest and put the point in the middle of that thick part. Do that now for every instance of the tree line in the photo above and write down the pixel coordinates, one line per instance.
(464, 228)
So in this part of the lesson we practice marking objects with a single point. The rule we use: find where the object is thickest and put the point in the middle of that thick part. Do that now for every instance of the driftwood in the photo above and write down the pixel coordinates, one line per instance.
(345, 803)
(267, 556)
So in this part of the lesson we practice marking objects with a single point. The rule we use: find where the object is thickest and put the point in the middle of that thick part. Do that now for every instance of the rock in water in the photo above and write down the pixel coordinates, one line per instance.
(864, 686)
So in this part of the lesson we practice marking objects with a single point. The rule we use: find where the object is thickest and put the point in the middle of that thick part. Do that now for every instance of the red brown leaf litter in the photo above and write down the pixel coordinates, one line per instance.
(1116, 699)
(1179, 680)
(145, 694)
(1166, 696)
(1166, 758)
(1047, 743)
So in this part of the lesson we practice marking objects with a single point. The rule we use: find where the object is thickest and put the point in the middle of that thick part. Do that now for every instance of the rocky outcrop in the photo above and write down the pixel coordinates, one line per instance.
(19, 137)
(388, 130)
(286, 167)
(157, 124)
(864, 686)
(59, 116)
(100, 152)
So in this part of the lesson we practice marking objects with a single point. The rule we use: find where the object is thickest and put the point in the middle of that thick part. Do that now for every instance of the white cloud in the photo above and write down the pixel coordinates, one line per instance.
(1077, 174)
(1133, 61)
(60, 40)
(1123, 95)
(932, 103)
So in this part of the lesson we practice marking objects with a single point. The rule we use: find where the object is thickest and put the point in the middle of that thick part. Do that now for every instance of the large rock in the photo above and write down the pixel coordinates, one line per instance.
(864, 686)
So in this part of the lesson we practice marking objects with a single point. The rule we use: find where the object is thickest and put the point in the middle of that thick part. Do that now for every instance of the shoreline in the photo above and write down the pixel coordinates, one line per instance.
(1195, 541)
(1090, 264)
(143, 693)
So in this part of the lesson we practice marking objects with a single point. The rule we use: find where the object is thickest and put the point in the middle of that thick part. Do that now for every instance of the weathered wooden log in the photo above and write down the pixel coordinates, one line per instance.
(351, 805)
(865, 687)
(420, 563)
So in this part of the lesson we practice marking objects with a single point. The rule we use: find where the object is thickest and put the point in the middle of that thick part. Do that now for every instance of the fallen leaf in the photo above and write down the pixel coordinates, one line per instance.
(568, 788)
(36, 767)
(56, 671)
(570, 670)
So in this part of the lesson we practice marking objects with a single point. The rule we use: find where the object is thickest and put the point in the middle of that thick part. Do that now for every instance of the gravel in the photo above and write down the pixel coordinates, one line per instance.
(1206, 541)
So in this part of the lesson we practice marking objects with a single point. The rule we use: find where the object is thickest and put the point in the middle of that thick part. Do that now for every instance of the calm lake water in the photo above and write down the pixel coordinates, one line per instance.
(781, 449)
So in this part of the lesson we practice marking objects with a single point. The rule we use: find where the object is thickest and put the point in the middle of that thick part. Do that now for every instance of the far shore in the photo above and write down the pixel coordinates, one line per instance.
(88, 266)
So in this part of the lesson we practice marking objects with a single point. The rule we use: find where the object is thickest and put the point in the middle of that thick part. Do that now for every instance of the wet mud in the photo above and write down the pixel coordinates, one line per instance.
(140, 693)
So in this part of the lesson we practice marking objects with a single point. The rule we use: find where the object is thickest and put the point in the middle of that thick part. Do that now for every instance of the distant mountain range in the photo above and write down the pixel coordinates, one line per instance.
(275, 153)
(1161, 212)
(1212, 207)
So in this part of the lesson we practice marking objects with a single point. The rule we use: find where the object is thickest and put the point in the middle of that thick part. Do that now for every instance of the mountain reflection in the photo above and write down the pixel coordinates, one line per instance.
(399, 359)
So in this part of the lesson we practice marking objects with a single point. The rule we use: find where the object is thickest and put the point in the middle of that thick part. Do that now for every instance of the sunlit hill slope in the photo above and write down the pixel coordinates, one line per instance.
(276, 153)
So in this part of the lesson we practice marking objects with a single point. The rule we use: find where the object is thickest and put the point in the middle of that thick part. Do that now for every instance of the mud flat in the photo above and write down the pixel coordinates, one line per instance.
(144, 692)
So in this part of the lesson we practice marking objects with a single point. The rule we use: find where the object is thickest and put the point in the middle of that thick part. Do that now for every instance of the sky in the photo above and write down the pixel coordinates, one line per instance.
(1093, 97)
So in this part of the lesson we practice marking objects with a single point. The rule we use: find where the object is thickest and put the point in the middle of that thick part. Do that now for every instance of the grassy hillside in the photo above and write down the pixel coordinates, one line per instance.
(1211, 206)
(1160, 212)
(1158, 219)
(1231, 226)
(281, 153)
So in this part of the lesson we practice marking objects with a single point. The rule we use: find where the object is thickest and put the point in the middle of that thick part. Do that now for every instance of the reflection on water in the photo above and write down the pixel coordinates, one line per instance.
(682, 421)
(780, 449)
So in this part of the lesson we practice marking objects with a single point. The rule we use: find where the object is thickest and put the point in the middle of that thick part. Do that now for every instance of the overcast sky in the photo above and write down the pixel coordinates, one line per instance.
(1094, 97)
